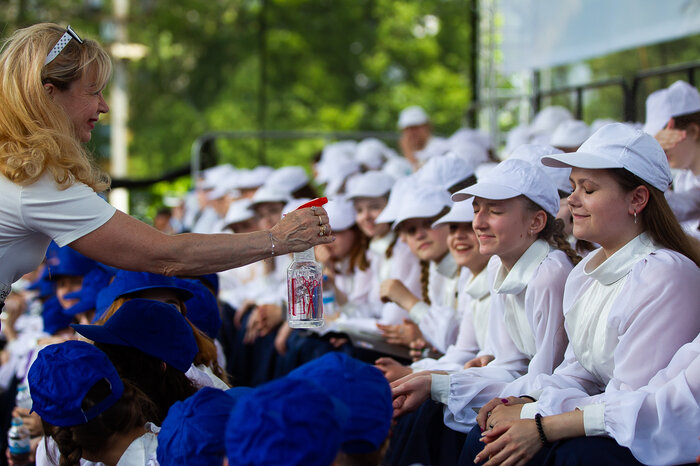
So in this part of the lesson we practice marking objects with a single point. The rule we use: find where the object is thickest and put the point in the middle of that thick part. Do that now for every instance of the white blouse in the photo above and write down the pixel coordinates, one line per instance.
(660, 422)
(439, 321)
(626, 319)
(31, 216)
(402, 265)
(475, 299)
(529, 295)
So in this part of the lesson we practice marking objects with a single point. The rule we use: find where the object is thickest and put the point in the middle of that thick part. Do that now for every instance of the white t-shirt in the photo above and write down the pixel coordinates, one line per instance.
(31, 216)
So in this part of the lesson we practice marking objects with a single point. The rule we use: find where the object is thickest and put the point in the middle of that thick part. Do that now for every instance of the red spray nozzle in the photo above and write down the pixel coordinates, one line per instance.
(318, 202)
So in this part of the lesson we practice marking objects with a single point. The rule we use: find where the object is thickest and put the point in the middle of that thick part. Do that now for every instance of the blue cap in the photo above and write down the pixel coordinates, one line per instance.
(126, 282)
(94, 282)
(287, 421)
(202, 307)
(42, 285)
(53, 316)
(193, 432)
(153, 327)
(212, 280)
(63, 374)
(70, 262)
(365, 391)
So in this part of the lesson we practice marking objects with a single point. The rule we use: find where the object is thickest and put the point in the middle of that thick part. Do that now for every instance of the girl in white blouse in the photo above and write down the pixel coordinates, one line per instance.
(473, 298)
(515, 205)
(628, 306)
(421, 206)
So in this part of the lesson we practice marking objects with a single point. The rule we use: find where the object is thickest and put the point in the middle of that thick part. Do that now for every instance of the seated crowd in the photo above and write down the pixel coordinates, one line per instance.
(536, 305)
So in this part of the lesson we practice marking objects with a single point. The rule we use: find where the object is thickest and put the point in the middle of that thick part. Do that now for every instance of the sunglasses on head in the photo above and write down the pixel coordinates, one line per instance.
(61, 44)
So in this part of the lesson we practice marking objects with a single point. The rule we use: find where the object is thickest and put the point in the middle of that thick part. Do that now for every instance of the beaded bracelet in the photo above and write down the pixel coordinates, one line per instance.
(538, 422)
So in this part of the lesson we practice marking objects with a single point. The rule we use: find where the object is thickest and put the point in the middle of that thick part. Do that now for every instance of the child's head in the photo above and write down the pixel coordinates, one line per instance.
(461, 238)
(420, 207)
(512, 206)
(369, 193)
(194, 430)
(619, 176)
(81, 399)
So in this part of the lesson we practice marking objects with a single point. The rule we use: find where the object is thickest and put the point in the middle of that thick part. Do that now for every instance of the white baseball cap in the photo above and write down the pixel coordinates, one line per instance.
(225, 185)
(547, 120)
(388, 215)
(369, 184)
(287, 179)
(397, 167)
(471, 152)
(269, 194)
(619, 146)
(512, 178)
(444, 171)
(341, 213)
(570, 133)
(533, 153)
(412, 116)
(516, 137)
(680, 98)
(239, 211)
(338, 172)
(249, 179)
(461, 212)
(473, 136)
(422, 202)
(371, 153)
(294, 204)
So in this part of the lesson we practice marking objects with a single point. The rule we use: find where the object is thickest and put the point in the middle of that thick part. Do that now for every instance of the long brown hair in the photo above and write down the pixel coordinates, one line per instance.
(553, 232)
(657, 217)
(358, 253)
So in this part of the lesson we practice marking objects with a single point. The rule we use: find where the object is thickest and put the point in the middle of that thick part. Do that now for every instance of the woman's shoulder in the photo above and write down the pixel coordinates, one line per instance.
(667, 263)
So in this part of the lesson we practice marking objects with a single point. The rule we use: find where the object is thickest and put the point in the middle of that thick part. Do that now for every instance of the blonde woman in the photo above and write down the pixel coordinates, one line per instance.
(51, 84)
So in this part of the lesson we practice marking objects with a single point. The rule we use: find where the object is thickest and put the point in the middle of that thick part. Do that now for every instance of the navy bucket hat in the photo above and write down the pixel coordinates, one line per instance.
(153, 327)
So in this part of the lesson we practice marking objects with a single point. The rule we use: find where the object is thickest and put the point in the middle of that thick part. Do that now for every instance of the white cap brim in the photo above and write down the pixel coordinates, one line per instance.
(579, 160)
(487, 191)
(417, 212)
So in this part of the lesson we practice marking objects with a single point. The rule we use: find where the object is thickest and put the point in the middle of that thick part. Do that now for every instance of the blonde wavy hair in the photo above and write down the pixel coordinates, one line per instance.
(36, 134)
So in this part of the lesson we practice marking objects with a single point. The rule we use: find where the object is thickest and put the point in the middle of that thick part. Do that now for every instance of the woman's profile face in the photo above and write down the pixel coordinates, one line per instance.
(598, 205)
(83, 102)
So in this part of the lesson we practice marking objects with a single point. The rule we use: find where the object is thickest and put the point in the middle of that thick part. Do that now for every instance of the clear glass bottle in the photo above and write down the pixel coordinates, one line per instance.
(305, 291)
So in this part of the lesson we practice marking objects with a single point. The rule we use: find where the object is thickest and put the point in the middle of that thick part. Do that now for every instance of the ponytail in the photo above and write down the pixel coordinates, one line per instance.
(390, 249)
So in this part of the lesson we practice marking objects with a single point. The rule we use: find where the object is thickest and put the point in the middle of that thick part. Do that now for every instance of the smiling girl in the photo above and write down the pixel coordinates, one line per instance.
(433, 315)
(514, 209)
(629, 306)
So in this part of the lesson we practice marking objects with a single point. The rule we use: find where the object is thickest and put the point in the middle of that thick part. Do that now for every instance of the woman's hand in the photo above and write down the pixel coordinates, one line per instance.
(488, 409)
(392, 369)
(401, 334)
(301, 229)
(513, 441)
(479, 361)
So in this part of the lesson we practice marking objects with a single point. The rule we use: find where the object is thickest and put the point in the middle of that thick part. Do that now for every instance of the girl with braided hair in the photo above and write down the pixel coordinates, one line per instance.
(514, 209)
(433, 315)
